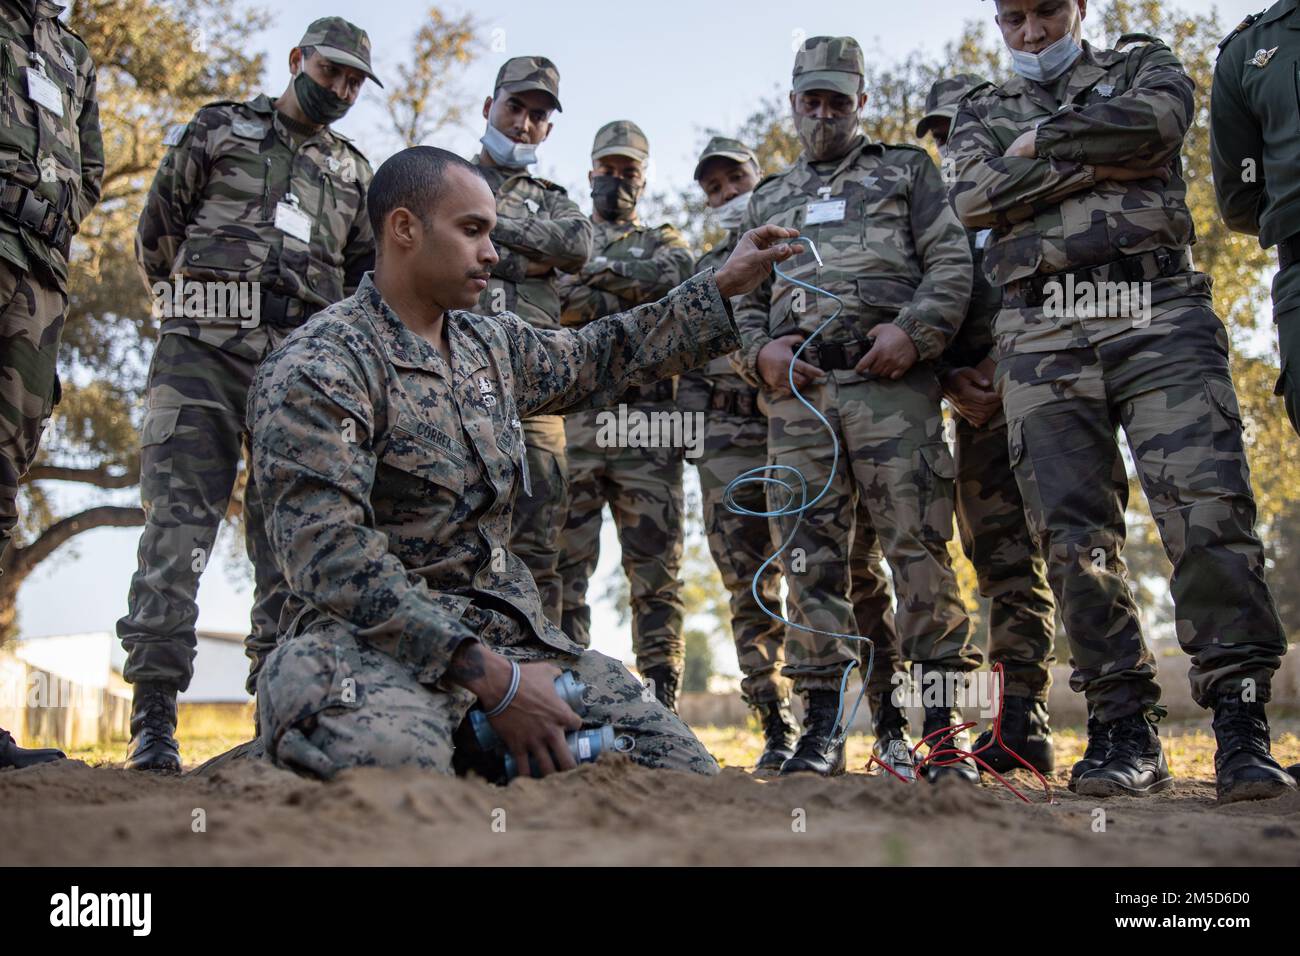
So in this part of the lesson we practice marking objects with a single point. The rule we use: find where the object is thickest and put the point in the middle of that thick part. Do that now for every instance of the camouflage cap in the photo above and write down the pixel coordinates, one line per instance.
(522, 73)
(944, 96)
(340, 42)
(621, 138)
(721, 146)
(829, 63)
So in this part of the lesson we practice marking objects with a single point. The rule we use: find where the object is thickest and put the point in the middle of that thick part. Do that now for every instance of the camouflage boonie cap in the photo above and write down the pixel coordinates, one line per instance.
(944, 96)
(522, 73)
(721, 146)
(621, 138)
(829, 63)
(340, 42)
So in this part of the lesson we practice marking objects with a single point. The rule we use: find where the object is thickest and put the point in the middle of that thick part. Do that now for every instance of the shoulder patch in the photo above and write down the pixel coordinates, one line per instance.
(1245, 24)
(553, 187)
(175, 133)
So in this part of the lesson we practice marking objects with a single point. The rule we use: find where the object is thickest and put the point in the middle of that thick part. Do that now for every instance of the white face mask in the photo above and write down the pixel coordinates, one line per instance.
(505, 151)
(732, 212)
(1051, 63)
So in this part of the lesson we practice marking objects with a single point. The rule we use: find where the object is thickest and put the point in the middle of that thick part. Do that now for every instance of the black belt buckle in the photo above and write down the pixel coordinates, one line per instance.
(832, 357)
(33, 211)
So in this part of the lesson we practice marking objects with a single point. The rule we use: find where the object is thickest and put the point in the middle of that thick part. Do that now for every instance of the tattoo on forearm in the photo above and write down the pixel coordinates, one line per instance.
(467, 663)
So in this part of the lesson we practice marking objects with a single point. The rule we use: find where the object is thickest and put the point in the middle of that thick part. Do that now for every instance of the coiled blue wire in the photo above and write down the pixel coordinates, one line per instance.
(767, 475)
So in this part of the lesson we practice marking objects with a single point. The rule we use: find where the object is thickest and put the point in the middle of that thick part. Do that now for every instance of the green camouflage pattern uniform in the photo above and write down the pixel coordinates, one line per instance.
(895, 253)
(990, 512)
(1068, 377)
(631, 264)
(51, 170)
(735, 441)
(1255, 155)
(210, 217)
(389, 478)
(536, 219)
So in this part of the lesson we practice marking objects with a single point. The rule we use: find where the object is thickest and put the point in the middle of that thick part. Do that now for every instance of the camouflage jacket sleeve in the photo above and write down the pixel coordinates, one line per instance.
(569, 369)
(1143, 126)
(177, 188)
(752, 312)
(644, 280)
(939, 303)
(92, 149)
(313, 424)
(359, 252)
(991, 190)
(1235, 137)
(563, 240)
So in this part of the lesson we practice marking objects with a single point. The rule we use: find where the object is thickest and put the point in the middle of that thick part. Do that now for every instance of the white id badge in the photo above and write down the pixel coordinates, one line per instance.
(292, 221)
(830, 210)
(43, 91)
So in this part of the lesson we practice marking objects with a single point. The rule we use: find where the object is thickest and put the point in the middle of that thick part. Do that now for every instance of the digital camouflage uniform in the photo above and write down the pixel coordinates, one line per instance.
(393, 533)
(536, 219)
(631, 264)
(1255, 154)
(1067, 380)
(990, 512)
(735, 441)
(894, 252)
(210, 216)
(51, 169)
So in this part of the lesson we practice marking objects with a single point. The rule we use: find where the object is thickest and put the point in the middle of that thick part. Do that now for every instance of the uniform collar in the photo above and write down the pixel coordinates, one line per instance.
(406, 349)
(1281, 9)
(861, 145)
(505, 173)
(48, 9)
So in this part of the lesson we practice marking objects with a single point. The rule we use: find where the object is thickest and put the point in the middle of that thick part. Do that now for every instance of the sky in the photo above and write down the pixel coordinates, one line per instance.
(675, 68)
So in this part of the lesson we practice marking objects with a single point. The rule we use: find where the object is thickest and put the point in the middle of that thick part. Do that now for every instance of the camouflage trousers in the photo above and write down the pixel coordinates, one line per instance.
(538, 519)
(32, 310)
(350, 705)
(643, 488)
(1168, 386)
(1010, 570)
(741, 543)
(895, 471)
(190, 446)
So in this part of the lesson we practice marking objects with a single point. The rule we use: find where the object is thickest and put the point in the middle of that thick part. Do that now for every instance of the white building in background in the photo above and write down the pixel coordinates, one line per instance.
(95, 660)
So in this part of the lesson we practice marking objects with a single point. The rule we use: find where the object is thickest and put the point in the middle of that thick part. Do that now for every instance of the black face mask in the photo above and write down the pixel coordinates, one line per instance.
(320, 105)
(614, 197)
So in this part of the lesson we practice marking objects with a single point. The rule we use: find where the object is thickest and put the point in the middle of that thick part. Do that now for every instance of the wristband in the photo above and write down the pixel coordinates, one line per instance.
(509, 698)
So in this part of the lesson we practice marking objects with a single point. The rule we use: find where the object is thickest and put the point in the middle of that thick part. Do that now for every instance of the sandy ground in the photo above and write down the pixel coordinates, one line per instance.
(614, 812)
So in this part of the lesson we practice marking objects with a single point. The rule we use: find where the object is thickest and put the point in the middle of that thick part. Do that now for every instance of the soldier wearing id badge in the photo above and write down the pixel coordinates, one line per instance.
(51, 171)
(893, 251)
(255, 221)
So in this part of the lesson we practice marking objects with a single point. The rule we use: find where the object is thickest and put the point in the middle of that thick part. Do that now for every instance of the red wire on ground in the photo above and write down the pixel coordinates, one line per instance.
(940, 755)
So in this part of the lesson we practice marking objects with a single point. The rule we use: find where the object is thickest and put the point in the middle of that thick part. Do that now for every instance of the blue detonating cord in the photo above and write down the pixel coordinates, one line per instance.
(766, 475)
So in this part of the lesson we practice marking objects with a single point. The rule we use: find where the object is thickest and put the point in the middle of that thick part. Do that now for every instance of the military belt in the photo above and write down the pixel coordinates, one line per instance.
(661, 391)
(1288, 251)
(836, 356)
(1159, 264)
(285, 311)
(732, 401)
(37, 213)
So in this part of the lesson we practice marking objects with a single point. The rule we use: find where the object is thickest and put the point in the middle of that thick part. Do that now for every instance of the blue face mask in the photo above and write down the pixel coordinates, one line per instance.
(1051, 63)
(505, 151)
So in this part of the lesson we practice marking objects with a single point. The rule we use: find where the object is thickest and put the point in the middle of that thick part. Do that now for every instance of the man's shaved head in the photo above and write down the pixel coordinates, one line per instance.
(413, 179)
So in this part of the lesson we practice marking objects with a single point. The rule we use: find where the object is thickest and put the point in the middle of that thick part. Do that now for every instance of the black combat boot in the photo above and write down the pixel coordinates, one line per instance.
(665, 684)
(1095, 753)
(964, 769)
(11, 755)
(1135, 762)
(1024, 731)
(817, 750)
(892, 747)
(779, 735)
(153, 729)
(1244, 769)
